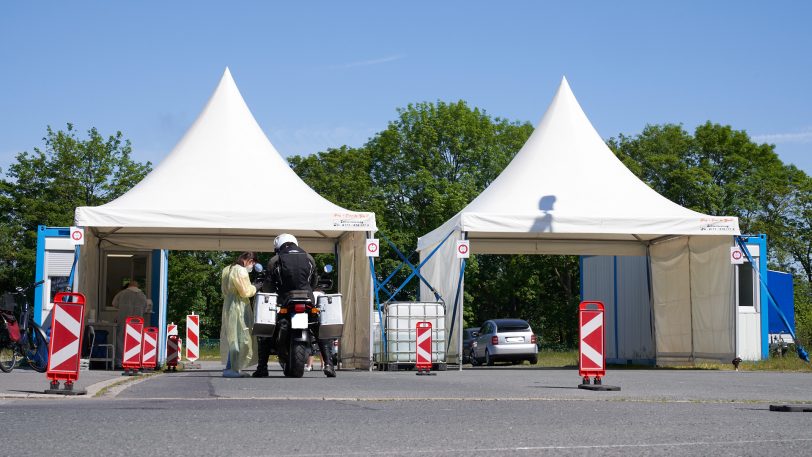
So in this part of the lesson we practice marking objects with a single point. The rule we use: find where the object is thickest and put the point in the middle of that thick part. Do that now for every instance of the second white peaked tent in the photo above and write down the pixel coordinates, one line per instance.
(224, 187)
(565, 192)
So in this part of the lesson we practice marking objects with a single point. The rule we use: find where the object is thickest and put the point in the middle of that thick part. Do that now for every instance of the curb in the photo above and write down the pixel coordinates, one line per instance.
(115, 386)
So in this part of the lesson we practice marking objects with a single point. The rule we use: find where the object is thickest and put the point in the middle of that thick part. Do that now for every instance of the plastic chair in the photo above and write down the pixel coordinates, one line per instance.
(101, 350)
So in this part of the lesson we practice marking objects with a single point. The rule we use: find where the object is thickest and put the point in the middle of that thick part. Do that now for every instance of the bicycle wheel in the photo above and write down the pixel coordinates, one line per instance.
(8, 358)
(37, 352)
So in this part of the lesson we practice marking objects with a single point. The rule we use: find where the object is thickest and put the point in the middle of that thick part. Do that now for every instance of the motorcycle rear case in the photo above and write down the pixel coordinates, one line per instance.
(264, 314)
(331, 317)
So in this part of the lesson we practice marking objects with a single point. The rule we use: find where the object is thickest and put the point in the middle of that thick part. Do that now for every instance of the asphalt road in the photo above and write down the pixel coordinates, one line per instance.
(500, 411)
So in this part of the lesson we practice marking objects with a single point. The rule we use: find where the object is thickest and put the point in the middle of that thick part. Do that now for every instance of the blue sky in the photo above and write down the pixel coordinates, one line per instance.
(324, 74)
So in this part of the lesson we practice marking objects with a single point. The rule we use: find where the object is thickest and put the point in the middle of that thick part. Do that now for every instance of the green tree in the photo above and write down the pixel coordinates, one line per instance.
(421, 170)
(45, 187)
(721, 171)
(194, 285)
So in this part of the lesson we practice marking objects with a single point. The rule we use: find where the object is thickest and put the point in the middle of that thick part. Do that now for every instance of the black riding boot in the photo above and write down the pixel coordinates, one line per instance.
(326, 359)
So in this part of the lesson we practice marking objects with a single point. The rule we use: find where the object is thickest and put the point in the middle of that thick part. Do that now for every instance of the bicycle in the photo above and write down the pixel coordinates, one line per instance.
(21, 338)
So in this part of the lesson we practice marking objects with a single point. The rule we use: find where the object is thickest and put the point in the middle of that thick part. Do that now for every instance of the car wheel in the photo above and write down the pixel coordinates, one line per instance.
(488, 359)
(533, 360)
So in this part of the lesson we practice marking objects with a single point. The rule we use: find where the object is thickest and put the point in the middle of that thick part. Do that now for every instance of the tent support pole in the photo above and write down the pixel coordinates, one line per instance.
(454, 316)
(373, 299)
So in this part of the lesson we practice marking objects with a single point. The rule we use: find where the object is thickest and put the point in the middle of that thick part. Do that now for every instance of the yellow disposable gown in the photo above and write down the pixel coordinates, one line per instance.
(236, 341)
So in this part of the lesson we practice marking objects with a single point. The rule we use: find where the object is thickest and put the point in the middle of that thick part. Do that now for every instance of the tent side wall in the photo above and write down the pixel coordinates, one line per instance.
(442, 271)
(355, 283)
(90, 266)
(692, 299)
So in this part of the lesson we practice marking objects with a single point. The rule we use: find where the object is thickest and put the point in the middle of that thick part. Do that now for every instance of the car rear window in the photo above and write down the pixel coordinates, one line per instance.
(513, 327)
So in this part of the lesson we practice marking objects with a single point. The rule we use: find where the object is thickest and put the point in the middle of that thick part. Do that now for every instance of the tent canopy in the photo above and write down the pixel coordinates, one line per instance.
(565, 192)
(223, 180)
(225, 187)
(567, 188)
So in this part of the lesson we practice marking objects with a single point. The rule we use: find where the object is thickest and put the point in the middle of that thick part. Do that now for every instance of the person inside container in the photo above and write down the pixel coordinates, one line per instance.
(131, 302)
(290, 269)
(237, 346)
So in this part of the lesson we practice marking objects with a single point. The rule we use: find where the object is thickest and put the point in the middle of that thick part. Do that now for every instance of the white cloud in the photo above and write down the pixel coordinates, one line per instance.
(776, 138)
(366, 63)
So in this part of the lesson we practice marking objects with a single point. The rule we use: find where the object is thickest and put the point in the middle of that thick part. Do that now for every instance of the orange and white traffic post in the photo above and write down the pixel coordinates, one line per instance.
(149, 348)
(423, 351)
(192, 339)
(172, 353)
(67, 324)
(591, 360)
(133, 335)
(592, 353)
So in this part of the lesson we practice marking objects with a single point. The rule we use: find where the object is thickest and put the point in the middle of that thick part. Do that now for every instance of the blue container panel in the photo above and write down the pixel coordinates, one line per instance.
(782, 289)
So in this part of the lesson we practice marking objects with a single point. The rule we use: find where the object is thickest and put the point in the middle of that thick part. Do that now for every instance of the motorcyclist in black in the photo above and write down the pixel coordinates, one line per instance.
(290, 269)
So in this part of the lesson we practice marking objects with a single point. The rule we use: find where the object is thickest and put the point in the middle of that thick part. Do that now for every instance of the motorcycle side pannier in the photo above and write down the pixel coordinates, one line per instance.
(264, 314)
(331, 319)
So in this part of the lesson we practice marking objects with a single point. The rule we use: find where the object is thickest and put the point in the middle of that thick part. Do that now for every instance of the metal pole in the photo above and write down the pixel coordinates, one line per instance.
(370, 305)
(460, 321)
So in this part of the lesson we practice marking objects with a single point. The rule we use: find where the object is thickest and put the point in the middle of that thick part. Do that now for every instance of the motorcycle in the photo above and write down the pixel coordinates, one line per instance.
(298, 322)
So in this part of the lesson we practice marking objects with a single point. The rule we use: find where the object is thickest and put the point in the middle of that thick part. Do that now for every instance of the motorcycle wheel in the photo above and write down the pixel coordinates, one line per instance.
(298, 357)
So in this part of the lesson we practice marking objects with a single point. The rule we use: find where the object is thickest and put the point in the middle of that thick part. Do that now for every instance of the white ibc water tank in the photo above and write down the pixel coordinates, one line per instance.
(401, 333)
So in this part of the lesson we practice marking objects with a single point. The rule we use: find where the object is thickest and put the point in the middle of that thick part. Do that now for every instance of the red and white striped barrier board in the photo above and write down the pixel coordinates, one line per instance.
(67, 326)
(592, 359)
(149, 348)
(423, 355)
(172, 351)
(172, 329)
(133, 330)
(192, 337)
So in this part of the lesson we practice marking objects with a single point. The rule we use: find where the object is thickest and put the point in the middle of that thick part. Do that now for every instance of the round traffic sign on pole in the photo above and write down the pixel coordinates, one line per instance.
(463, 249)
(736, 255)
(372, 247)
(77, 235)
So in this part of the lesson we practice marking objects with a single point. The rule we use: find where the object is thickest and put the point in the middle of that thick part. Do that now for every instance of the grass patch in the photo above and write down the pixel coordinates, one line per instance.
(790, 362)
(209, 352)
(557, 359)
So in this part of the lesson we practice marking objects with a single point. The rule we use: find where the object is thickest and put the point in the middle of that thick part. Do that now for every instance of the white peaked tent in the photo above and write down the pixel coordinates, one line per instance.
(565, 192)
(225, 187)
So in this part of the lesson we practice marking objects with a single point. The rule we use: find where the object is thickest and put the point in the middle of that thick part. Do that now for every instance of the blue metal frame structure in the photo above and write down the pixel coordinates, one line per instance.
(378, 286)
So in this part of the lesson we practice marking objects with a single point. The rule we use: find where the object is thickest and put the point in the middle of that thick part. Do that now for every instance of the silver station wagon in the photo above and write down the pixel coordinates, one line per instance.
(508, 340)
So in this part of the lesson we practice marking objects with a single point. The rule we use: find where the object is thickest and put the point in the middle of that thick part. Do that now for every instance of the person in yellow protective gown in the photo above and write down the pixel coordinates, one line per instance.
(237, 345)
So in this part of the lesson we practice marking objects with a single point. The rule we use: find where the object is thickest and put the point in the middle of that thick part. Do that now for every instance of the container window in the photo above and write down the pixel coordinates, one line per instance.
(746, 287)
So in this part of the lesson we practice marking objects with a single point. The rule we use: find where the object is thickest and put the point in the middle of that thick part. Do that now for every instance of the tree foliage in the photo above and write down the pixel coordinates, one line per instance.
(721, 171)
(423, 168)
(194, 286)
(46, 186)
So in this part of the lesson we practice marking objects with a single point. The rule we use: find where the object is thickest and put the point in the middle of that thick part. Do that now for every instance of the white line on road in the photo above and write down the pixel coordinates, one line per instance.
(553, 448)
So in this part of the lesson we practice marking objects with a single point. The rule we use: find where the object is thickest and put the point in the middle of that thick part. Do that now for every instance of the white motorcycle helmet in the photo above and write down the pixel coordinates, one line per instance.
(282, 239)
